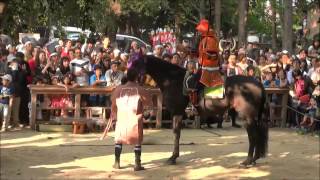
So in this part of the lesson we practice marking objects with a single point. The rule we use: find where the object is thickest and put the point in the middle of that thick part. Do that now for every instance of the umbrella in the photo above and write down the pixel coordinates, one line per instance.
(51, 46)
(5, 39)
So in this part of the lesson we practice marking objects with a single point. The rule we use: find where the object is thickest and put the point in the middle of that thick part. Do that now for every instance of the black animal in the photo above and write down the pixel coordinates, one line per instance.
(244, 94)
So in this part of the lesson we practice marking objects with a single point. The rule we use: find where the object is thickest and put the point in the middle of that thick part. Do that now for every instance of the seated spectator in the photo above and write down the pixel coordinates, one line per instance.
(270, 81)
(6, 98)
(64, 101)
(97, 79)
(114, 76)
(308, 119)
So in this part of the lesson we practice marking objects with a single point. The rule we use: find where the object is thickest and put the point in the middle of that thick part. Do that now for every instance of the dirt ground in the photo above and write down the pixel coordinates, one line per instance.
(205, 154)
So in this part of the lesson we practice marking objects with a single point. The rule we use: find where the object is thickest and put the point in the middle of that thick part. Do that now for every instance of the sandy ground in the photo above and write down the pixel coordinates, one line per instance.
(205, 154)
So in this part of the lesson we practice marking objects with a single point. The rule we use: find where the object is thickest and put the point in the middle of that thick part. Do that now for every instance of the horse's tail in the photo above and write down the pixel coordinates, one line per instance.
(262, 128)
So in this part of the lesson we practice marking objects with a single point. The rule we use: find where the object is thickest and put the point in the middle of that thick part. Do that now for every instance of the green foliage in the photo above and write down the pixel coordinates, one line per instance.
(27, 15)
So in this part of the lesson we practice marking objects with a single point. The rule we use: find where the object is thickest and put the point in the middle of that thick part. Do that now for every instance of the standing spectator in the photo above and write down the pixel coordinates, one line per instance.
(314, 49)
(285, 59)
(54, 58)
(114, 75)
(254, 52)
(295, 66)
(44, 67)
(158, 50)
(64, 67)
(80, 68)
(232, 70)
(71, 54)
(28, 48)
(17, 82)
(3, 61)
(25, 93)
(65, 51)
(88, 47)
(32, 63)
(6, 92)
(242, 62)
(175, 59)
(314, 63)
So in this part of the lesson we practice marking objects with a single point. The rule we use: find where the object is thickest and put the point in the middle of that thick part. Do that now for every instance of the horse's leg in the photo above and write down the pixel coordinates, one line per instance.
(252, 141)
(177, 122)
(233, 115)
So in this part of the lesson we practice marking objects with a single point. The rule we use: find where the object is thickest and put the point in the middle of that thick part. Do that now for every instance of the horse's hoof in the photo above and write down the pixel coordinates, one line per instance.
(236, 125)
(171, 161)
(247, 163)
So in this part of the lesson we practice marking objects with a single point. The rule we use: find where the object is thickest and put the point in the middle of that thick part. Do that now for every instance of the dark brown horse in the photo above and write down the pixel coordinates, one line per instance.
(243, 93)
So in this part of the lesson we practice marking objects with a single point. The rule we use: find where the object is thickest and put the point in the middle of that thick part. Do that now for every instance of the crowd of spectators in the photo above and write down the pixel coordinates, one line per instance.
(97, 63)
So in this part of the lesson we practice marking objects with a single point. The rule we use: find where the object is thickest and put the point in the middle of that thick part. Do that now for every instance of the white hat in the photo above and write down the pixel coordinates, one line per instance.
(28, 42)
(53, 54)
(116, 52)
(122, 55)
(10, 58)
(7, 77)
(285, 52)
(158, 46)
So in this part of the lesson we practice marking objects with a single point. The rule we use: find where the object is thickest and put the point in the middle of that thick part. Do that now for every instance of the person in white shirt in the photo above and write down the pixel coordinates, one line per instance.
(114, 75)
(79, 67)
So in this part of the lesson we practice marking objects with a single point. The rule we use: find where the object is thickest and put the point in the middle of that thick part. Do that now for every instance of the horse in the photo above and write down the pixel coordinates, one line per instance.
(244, 94)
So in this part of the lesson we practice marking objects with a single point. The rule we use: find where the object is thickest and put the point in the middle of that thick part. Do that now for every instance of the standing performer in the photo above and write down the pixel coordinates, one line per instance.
(127, 104)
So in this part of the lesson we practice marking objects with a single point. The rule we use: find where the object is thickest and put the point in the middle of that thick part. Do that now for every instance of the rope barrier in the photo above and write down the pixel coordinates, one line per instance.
(301, 113)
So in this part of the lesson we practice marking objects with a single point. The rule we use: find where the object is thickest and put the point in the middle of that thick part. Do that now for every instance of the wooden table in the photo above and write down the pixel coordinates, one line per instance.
(52, 89)
(285, 95)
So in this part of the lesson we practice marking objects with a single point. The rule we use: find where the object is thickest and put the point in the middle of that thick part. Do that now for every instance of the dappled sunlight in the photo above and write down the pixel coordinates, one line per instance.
(229, 137)
(238, 154)
(254, 173)
(104, 163)
(215, 144)
(284, 154)
(222, 172)
(43, 141)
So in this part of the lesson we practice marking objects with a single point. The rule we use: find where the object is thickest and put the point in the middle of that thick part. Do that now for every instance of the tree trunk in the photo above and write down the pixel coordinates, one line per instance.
(287, 26)
(217, 16)
(202, 12)
(274, 25)
(243, 12)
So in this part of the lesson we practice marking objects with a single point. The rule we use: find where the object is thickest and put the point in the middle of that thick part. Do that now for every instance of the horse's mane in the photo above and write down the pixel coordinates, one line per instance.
(161, 70)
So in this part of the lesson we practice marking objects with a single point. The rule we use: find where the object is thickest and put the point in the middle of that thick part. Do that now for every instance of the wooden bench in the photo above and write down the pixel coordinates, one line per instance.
(58, 90)
(284, 92)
